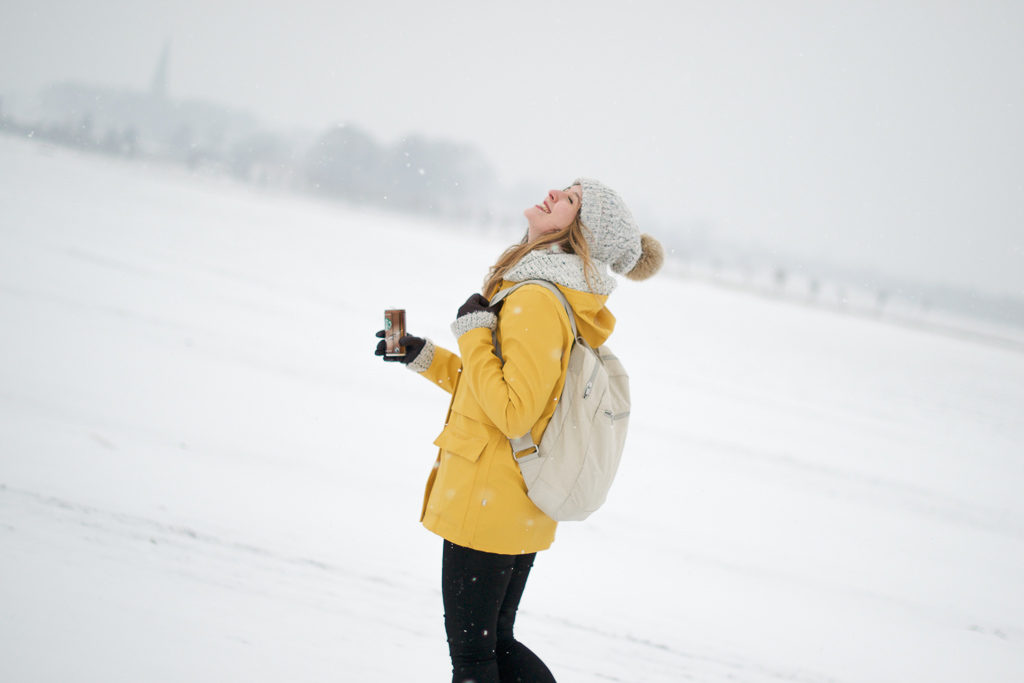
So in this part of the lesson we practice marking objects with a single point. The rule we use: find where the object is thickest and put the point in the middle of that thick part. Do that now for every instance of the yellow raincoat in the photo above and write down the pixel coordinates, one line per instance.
(475, 495)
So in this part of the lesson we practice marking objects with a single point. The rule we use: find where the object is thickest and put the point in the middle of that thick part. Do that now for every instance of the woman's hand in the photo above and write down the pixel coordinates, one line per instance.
(478, 304)
(476, 312)
(413, 346)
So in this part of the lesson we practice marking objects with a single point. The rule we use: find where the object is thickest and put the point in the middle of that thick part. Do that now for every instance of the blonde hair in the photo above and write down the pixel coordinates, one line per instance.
(570, 240)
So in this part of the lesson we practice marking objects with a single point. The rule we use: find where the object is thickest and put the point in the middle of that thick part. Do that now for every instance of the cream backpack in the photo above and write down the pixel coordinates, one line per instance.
(569, 472)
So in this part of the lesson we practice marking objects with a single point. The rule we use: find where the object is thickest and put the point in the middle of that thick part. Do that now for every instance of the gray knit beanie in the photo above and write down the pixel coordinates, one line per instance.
(613, 235)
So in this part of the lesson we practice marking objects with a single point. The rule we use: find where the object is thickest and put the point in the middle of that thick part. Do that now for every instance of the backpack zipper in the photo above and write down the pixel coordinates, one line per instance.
(590, 382)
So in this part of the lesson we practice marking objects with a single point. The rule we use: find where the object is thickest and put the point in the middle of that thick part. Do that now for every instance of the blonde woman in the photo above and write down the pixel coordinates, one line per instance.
(475, 498)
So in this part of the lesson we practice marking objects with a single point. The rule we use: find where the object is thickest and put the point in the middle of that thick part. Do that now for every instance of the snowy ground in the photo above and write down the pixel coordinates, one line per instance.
(205, 475)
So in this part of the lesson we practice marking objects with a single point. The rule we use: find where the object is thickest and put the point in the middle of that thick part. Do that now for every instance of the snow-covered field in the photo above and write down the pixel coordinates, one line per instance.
(205, 474)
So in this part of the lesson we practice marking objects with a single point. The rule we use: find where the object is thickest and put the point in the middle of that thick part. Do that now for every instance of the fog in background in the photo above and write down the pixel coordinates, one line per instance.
(884, 137)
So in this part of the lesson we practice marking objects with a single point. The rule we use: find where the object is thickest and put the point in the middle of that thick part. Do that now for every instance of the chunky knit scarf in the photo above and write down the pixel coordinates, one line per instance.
(562, 269)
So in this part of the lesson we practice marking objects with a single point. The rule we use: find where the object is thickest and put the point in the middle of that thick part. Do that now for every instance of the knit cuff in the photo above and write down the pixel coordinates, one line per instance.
(471, 321)
(424, 358)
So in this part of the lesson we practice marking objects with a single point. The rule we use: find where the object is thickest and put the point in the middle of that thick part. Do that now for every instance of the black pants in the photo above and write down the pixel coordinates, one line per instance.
(481, 595)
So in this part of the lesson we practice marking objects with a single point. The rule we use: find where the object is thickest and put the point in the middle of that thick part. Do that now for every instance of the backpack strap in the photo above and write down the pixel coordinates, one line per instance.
(523, 448)
(548, 286)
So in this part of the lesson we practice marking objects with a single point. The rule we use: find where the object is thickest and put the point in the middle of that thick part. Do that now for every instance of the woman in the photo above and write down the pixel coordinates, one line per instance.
(476, 498)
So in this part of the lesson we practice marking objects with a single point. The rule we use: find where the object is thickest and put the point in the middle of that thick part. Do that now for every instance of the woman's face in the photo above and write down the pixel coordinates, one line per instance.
(556, 212)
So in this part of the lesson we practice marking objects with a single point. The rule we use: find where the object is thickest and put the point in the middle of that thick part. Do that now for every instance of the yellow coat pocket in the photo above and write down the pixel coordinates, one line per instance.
(460, 439)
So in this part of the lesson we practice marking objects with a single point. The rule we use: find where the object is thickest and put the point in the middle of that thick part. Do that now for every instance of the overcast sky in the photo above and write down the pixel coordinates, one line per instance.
(884, 134)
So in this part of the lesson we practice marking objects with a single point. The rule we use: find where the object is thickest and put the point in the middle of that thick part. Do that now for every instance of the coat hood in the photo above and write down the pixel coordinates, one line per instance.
(594, 321)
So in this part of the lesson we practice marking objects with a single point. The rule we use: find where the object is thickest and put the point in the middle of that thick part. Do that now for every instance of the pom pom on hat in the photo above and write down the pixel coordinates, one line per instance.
(652, 255)
(612, 233)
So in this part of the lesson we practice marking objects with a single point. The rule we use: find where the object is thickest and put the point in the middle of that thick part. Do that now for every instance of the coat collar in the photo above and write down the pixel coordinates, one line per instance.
(562, 269)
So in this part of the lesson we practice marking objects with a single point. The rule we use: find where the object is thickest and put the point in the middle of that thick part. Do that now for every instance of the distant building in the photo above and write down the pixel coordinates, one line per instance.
(190, 130)
(159, 85)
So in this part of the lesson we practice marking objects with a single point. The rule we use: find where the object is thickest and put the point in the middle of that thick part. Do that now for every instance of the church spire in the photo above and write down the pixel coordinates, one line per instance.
(159, 85)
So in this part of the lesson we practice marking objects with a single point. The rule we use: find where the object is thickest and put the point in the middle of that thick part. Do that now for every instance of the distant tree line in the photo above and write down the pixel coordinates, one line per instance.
(81, 133)
(417, 174)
